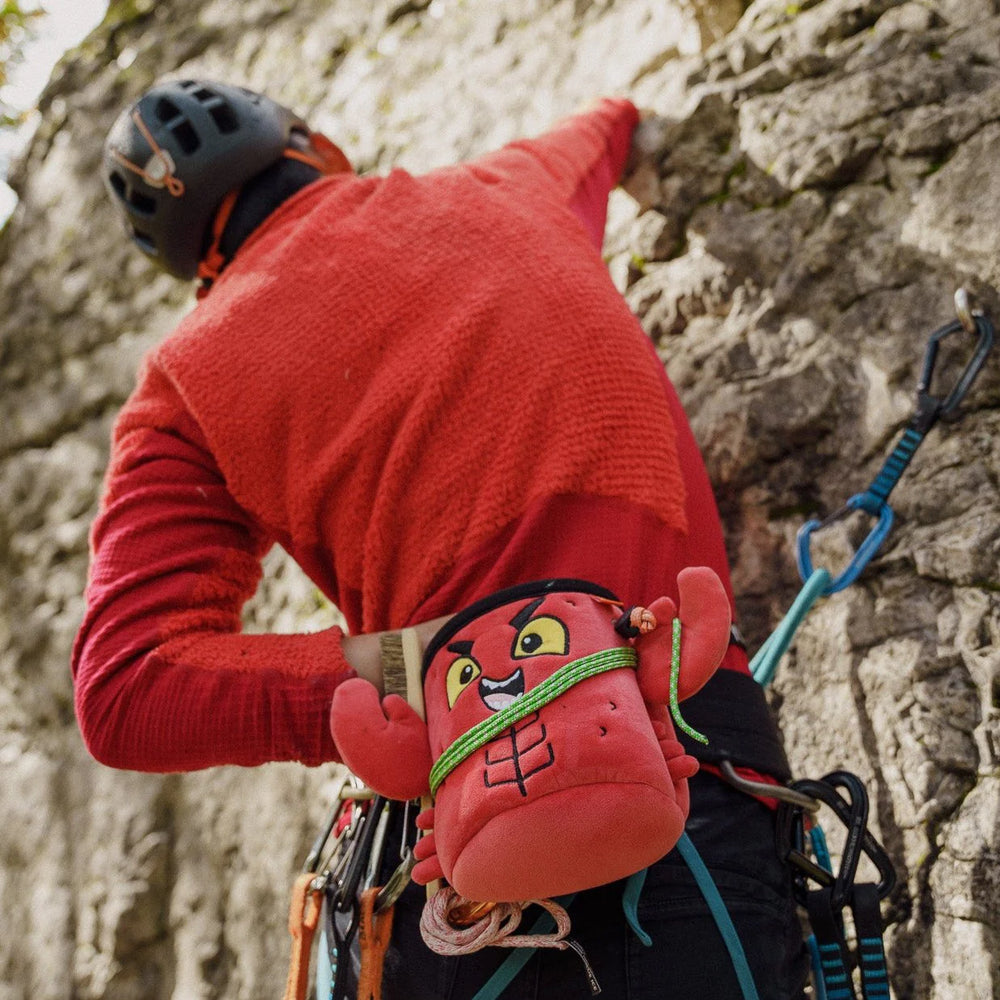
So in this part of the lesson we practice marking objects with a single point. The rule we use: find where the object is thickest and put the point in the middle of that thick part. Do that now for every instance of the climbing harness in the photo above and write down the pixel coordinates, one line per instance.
(846, 950)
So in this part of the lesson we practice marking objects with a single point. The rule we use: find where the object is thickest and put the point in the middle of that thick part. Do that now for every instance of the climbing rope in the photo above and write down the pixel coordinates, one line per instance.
(443, 933)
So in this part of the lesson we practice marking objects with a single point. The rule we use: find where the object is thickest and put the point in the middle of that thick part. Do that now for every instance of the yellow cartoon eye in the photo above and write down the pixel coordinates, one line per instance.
(460, 675)
(541, 635)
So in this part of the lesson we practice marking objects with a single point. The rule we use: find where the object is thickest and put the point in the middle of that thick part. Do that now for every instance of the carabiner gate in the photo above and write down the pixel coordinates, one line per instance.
(931, 408)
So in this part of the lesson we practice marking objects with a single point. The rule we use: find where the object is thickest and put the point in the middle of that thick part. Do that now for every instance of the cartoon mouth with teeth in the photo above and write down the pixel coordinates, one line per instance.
(548, 745)
(497, 695)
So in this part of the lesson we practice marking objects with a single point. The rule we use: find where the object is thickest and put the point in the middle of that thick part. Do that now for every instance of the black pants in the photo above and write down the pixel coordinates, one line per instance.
(734, 835)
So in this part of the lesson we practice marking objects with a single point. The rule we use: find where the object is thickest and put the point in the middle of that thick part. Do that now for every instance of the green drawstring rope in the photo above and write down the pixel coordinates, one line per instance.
(675, 673)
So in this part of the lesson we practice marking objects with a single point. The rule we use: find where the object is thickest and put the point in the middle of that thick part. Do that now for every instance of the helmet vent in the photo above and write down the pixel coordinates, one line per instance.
(186, 136)
(224, 117)
(135, 199)
(176, 122)
(145, 242)
(166, 110)
(221, 111)
(141, 202)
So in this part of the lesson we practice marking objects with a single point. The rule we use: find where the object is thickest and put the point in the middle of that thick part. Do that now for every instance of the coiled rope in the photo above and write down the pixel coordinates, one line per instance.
(441, 930)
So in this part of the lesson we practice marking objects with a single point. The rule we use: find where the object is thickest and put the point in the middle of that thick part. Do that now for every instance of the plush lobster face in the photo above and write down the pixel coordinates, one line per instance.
(548, 745)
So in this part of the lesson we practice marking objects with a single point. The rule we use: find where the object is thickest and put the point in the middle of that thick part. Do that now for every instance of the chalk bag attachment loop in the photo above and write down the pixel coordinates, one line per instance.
(838, 964)
(929, 409)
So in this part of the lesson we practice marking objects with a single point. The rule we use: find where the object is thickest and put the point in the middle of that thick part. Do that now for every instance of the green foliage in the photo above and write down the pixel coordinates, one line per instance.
(16, 25)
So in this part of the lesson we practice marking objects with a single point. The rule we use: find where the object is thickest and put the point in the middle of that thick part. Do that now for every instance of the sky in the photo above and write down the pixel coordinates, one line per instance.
(64, 24)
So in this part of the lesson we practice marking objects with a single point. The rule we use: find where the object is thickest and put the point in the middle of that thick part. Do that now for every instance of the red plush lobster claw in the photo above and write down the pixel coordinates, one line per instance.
(384, 743)
(705, 619)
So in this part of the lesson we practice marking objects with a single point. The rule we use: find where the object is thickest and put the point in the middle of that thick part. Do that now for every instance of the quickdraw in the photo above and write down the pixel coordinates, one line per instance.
(929, 409)
(835, 960)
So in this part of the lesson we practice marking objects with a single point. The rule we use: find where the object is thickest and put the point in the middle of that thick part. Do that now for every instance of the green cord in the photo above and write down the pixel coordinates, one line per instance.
(549, 689)
(675, 673)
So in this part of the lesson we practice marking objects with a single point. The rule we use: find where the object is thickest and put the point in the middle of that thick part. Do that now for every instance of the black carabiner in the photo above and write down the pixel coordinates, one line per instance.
(791, 841)
(931, 408)
(347, 892)
(853, 813)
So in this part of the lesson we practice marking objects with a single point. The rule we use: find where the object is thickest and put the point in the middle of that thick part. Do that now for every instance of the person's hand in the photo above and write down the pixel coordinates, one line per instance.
(650, 146)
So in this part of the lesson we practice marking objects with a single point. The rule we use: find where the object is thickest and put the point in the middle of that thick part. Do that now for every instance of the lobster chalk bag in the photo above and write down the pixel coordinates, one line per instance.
(548, 749)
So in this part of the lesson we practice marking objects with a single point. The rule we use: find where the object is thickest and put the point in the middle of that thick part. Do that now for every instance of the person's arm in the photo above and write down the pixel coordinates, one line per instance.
(164, 678)
(580, 160)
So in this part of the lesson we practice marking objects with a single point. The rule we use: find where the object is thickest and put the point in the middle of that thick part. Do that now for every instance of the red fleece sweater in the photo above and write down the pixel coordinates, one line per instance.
(424, 388)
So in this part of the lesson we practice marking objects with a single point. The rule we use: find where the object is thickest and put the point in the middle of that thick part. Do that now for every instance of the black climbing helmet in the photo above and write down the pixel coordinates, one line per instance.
(171, 158)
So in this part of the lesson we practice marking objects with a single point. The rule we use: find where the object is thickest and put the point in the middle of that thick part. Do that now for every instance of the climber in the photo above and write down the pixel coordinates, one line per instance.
(425, 389)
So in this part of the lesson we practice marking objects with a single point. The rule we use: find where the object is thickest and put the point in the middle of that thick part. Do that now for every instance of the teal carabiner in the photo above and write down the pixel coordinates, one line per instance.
(864, 553)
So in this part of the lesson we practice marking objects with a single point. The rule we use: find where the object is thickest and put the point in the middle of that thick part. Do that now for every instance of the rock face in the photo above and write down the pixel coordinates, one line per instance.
(821, 181)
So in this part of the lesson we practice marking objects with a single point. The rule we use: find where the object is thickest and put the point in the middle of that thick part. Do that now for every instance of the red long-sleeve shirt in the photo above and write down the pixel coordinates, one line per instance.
(423, 388)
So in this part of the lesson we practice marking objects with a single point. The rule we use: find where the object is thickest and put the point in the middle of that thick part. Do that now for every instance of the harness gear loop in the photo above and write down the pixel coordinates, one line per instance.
(303, 919)
(929, 409)
(765, 790)
(167, 178)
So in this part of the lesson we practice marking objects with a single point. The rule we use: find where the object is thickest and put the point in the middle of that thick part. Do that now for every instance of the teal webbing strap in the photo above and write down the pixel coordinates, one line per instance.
(630, 904)
(816, 962)
(518, 957)
(721, 915)
(553, 686)
(765, 663)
